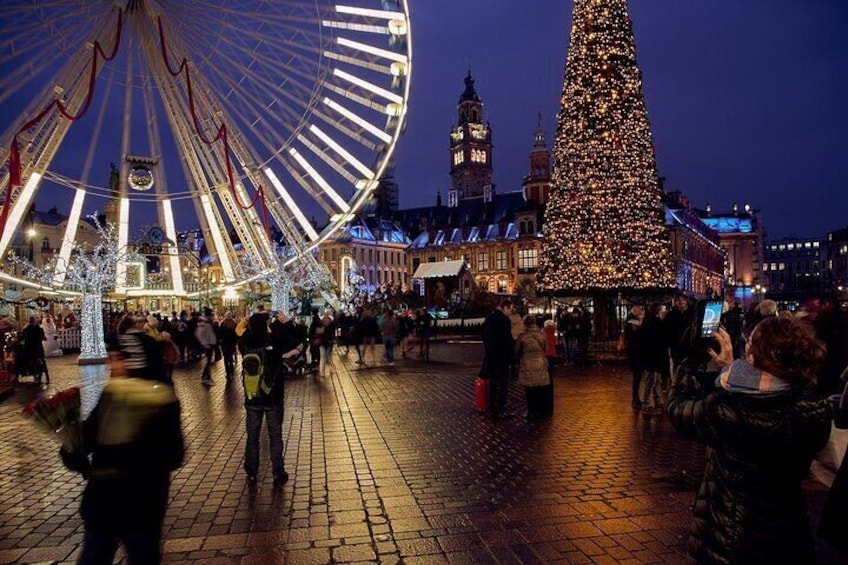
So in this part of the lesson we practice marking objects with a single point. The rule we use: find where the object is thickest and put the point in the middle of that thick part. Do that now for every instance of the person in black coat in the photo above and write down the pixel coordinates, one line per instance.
(128, 474)
(31, 354)
(678, 324)
(141, 354)
(498, 344)
(654, 358)
(762, 427)
(227, 339)
(316, 333)
(267, 406)
(633, 352)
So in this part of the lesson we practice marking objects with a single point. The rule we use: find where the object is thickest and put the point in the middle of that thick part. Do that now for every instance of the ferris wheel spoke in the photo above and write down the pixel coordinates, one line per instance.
(275, 91)
(269, 61)
(291, 205)
(283, 95)
(295, 174)
(270, 112)
(363, 123)
(40, 52)
(319, 179)
(333, 163)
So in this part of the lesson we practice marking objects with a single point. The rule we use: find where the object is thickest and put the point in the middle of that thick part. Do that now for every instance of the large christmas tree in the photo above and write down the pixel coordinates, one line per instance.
(604, 222)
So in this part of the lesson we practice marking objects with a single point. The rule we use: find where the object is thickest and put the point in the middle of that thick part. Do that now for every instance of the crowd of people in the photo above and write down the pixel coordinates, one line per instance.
(655, 342)
(759, 396)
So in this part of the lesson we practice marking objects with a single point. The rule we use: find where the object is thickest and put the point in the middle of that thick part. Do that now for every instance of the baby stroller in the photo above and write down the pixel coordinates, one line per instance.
(29, 363)
(296, 364)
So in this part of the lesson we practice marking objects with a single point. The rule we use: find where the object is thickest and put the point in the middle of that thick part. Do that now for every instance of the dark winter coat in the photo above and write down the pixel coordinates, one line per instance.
(33, 336)
(750, 507)
(653, 344)
(370, 329)
(227, 337)
(127, 487)
(143, 356)
(678, 324)
(633, 343)
(497, 339)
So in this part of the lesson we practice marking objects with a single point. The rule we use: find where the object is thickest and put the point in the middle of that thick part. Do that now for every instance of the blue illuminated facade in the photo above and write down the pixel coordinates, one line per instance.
(741, 236)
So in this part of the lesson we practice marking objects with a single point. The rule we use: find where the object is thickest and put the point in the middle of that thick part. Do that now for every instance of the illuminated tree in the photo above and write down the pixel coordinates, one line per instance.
(92, 272)
(604, 223)
(285, 278)
(278, 277)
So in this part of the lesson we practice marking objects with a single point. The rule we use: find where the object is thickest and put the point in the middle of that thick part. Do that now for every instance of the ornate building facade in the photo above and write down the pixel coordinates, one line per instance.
(741, 234)
(375, 247)
(470, 150)
(43, 232)
(496, 234)
(696, 249)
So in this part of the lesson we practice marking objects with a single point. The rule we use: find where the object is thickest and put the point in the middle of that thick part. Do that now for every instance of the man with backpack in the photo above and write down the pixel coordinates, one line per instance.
(262, 380)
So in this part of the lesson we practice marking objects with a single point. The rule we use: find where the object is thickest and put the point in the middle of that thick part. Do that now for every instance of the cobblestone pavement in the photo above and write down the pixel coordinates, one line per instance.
(389, 464)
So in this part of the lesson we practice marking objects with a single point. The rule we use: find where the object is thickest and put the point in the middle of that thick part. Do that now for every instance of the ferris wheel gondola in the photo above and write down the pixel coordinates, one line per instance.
(239, 118)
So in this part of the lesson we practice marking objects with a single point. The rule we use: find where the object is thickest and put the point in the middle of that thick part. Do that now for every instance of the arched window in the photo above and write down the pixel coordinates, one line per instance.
(45, 244)
(531, 228)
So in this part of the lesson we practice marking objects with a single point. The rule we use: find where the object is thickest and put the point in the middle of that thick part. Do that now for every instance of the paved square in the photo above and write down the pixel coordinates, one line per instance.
(388, 464)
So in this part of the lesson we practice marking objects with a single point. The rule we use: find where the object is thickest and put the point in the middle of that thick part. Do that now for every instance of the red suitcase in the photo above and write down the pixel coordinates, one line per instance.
(481, 394)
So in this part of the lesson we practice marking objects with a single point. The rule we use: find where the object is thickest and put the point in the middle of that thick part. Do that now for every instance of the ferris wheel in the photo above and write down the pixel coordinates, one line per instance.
(238, 118)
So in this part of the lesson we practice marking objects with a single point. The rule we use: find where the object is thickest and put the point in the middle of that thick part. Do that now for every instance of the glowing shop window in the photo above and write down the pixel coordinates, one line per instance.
(528, 258)
(500, 260)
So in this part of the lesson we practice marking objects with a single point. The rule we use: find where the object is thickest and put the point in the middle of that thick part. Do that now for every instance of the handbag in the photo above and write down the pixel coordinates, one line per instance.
(481, 394)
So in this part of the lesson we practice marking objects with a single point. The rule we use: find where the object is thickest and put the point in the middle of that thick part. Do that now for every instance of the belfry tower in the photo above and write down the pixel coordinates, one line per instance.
(470, 150)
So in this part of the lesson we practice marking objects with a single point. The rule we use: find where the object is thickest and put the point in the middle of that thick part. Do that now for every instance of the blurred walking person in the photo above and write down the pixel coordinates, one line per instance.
(127, 461)
(389, 330)
(207, 342)
(654, 359)
(227, 338)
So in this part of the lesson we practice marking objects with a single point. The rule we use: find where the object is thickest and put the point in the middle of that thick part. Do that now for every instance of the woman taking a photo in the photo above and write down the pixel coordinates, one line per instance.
(762, 429)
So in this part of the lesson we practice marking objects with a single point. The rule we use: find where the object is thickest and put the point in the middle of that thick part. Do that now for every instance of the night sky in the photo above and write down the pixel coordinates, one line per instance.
(748, 100)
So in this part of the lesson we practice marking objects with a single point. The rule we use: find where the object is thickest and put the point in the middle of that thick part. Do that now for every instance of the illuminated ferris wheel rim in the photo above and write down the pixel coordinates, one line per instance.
(325, 93)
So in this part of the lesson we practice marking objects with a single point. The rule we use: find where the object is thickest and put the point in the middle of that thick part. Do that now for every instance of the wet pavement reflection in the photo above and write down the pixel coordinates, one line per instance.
(388, 464)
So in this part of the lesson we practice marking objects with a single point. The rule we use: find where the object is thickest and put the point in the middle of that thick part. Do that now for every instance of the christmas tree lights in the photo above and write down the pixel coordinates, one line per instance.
(604, 223)
(91, 272)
